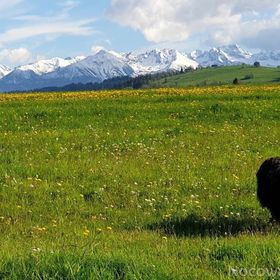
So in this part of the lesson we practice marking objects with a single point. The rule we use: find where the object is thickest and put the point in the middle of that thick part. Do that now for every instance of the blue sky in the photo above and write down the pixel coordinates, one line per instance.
(66, 28)
(36, 29)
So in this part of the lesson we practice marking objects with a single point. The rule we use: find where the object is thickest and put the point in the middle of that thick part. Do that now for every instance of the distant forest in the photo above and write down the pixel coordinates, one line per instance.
(125, 82)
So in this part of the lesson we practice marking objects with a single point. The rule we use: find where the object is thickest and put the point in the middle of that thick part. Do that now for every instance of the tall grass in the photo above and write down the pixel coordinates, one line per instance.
(141, 185)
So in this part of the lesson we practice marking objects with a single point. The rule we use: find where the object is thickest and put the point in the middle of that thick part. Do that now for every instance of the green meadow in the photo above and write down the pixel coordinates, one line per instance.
(152, 184)
(222, 75)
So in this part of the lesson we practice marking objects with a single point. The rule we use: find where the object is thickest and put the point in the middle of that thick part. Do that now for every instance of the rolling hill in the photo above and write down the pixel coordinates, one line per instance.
(220, 76)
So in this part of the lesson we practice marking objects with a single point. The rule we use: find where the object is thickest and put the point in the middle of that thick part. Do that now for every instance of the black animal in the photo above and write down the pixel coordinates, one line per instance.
(268, 191)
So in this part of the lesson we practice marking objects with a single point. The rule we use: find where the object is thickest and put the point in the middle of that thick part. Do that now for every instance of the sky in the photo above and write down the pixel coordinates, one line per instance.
(31, 30)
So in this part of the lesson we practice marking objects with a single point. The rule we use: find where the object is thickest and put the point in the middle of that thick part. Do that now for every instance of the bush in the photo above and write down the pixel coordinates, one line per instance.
(248, 76)
(235, 81)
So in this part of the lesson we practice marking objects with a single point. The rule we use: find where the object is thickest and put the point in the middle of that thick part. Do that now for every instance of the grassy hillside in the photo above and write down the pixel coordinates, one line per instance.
(155, 184)
(222, 75)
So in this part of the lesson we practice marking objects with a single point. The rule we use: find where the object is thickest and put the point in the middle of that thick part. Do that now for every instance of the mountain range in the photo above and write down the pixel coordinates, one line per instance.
(103, 65)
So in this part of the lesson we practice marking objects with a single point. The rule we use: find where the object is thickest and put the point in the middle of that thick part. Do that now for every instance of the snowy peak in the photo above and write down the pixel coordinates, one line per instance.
(4, 71)
(225, 55)
(47, 66)
(96, 68)
(181, 61)
(195, 54)
(234, 55)
(159, 61)
(269, 58)
(103, 56)
(235, 52)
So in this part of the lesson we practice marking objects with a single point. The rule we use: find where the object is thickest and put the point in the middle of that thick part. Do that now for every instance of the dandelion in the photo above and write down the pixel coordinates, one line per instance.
(86, 232)
(167, 216)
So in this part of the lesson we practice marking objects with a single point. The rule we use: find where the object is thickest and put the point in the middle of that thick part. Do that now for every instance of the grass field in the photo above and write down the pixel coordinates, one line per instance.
(222, 75)
(152, 184)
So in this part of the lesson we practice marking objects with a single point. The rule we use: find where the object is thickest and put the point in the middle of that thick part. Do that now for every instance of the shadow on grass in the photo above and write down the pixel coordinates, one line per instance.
(195, 225)
(277, 80)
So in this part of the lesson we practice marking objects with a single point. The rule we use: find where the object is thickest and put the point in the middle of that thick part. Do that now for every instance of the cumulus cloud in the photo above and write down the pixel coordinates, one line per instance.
(222, 21)
(15, 56)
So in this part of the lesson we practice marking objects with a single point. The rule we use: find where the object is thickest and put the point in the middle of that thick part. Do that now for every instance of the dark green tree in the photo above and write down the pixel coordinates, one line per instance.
(235, 81)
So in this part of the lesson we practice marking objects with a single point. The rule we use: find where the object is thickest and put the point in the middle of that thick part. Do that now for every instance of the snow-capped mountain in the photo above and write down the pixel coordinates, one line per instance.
(95, 68)
(159, 61)
(234, 55)
(103, 64)
(270, 58)
(46, 66)
(28, 77)
(226, 55)
(4, 71)
(58, 72)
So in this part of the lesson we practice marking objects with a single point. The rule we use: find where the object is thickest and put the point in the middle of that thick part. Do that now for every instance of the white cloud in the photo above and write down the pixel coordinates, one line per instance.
(69, 5)
(60, 23)
(222, 21)
(7, 4)
(15, 56)
(41, 27)
(264, 35)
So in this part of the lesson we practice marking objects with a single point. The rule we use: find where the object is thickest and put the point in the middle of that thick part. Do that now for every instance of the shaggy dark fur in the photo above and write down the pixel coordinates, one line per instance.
(268, 191)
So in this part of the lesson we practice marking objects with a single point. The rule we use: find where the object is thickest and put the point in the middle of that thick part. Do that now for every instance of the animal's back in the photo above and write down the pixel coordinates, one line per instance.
(268, 179)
